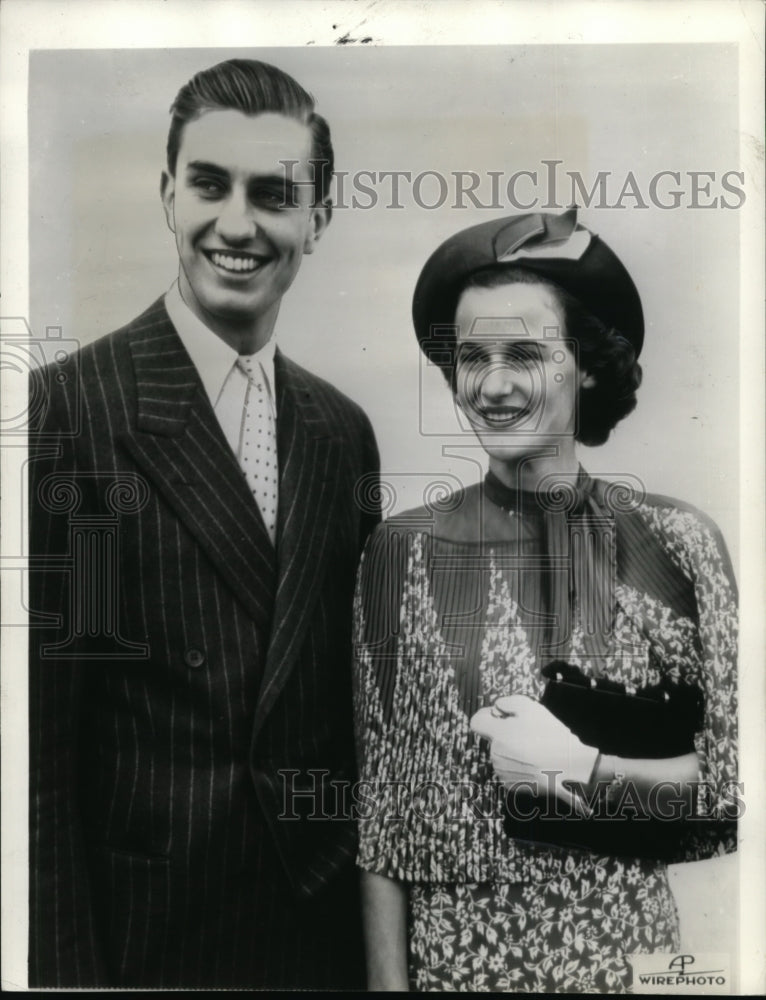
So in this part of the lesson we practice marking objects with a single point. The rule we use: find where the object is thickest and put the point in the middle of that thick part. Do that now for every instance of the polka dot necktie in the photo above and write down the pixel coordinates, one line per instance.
(259, 443)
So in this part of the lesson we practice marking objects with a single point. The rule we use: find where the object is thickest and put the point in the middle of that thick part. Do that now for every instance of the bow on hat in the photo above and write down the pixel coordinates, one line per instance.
(541, 236)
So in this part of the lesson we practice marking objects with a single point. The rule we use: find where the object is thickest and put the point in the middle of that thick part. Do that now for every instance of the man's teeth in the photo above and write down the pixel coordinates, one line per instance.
(234, 263)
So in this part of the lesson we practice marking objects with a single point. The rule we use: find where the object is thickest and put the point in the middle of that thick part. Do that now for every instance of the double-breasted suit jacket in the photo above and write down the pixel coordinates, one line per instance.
(186, 679)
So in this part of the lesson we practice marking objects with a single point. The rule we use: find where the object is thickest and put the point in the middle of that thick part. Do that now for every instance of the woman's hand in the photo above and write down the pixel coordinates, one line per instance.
(530, 745)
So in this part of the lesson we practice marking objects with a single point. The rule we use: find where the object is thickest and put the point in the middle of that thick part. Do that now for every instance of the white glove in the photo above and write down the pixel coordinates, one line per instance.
(529, 744)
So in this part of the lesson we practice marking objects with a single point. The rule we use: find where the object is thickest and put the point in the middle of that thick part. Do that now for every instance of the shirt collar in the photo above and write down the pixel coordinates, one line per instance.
(211, 356)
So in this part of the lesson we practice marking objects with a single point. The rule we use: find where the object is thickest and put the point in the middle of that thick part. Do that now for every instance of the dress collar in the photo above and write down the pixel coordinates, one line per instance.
(564, 494)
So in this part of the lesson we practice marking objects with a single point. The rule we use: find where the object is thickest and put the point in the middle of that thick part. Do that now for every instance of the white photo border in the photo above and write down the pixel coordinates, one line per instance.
(83, 24)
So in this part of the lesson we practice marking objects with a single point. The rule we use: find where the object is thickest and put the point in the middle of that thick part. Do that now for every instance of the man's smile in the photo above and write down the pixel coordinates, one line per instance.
(236, 261)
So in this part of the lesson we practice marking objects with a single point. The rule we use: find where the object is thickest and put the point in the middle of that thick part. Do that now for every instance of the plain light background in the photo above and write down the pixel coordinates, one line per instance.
(100, 252)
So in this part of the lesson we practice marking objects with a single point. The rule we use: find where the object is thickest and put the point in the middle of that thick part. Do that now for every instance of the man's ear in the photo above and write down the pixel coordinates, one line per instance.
(588, 381)
(321, 216)
(168, 193)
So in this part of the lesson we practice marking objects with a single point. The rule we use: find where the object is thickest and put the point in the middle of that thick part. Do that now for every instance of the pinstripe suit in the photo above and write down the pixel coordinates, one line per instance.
(158, 856)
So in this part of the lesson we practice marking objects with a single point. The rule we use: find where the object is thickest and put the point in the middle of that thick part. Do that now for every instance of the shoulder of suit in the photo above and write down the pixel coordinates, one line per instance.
(138, 328)
(96, 370)
(108, 345)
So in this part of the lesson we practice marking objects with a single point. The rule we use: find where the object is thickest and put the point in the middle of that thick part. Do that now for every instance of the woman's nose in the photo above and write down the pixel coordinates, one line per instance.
(236, 223)
(498, 382)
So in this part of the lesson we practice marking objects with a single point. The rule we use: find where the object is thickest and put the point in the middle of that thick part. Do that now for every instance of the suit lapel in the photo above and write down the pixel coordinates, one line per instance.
(308, 489)
(180, 446)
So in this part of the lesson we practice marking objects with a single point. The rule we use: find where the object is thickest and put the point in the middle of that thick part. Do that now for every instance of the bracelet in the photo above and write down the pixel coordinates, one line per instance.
(608, 789)
(618, 777)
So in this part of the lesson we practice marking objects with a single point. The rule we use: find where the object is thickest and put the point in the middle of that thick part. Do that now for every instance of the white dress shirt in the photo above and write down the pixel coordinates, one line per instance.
(216, 364)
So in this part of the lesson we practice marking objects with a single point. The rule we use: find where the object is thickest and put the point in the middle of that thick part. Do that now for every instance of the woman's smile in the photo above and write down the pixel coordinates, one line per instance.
(502, 416)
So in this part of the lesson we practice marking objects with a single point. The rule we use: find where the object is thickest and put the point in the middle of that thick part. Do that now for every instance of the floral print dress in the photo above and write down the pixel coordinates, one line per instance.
(453, 609)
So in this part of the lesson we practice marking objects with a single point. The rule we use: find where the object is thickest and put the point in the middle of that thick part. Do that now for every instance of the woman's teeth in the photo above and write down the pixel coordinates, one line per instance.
(502, 416)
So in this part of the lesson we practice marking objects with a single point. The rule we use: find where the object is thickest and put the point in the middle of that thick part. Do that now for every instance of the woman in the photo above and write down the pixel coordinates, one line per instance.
(463, 606)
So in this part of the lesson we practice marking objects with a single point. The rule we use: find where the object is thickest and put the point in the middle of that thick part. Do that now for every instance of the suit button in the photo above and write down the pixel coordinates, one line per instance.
(194, 658)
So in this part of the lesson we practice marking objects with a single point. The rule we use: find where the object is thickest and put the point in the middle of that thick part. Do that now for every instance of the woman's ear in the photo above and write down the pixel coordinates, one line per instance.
(587, 380)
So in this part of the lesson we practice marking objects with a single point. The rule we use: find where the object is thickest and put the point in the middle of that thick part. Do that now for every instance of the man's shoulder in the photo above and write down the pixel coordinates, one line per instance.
(105, 351)
(100, 370)
(144, 326)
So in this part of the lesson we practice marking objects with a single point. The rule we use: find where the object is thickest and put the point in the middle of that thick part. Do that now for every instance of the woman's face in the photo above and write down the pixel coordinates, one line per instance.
(517, 377)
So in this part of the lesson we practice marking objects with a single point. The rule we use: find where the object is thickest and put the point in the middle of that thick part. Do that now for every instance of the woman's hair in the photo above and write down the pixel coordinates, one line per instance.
(602, 352)
(253, 88)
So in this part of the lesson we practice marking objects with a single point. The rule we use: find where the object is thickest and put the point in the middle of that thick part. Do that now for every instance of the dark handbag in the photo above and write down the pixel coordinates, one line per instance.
(652, 722)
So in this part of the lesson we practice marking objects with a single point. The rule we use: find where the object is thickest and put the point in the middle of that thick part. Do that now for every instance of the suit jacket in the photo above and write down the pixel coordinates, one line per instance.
(186, 681)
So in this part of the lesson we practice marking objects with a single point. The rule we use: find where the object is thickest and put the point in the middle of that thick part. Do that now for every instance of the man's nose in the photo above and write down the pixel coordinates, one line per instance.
(236, 219)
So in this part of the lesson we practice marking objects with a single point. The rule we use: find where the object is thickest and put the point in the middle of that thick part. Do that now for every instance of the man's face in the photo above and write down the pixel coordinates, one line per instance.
(517, 380)
(242, 220)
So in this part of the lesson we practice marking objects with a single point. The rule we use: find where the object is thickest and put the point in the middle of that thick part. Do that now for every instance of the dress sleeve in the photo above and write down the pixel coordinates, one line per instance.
(702, 551)
(415, 749)
(377, 606)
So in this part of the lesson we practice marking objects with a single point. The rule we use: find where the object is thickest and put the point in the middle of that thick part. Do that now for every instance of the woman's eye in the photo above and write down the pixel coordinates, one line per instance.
(468, 355)
(524, 353)
(499, 353)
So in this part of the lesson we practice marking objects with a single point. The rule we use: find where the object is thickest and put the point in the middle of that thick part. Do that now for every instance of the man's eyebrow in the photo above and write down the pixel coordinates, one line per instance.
(274, 180)
(209, 168)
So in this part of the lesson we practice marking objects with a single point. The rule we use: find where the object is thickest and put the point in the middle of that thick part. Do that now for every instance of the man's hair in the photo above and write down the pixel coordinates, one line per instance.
(252, 88)
(601, 352)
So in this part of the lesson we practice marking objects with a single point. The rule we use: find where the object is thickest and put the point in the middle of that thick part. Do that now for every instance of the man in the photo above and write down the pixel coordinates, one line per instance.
(194, 536)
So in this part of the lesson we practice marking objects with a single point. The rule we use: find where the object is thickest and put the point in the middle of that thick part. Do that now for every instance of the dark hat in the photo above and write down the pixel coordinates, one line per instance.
(555, 247)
